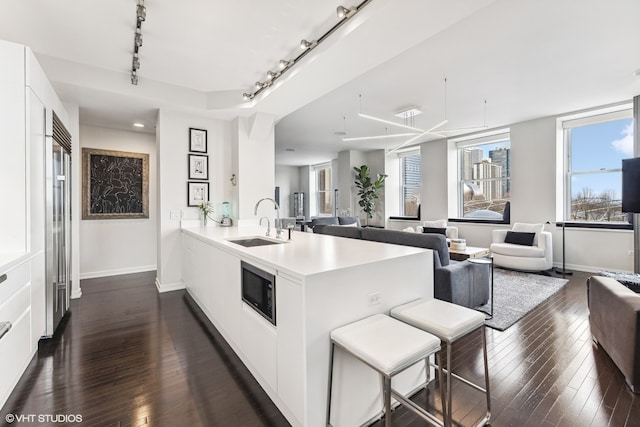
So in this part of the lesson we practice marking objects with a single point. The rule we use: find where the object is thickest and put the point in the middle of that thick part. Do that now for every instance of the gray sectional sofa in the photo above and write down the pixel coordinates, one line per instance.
(459, 282)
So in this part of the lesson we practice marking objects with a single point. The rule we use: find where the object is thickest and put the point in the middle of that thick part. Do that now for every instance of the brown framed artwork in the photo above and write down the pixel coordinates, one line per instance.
(197, 140)
(198, 166)
(197, 193)
(115, 184)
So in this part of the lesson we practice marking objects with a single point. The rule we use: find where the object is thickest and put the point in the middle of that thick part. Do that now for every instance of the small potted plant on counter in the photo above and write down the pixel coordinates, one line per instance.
(206, 208)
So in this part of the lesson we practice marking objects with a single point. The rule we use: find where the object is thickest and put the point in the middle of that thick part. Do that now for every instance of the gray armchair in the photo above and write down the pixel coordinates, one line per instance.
(614, 318)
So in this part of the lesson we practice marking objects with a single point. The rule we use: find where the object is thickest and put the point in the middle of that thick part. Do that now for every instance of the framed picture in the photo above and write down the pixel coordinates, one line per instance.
(197, 192)
(115, 184)
(198, 166)
(197, 140)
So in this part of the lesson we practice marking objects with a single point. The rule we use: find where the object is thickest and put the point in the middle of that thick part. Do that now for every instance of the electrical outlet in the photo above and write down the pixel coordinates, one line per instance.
(174, 214)
(375, 298)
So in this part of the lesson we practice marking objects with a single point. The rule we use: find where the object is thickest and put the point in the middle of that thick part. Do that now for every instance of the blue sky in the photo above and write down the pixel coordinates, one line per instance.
(599, 146)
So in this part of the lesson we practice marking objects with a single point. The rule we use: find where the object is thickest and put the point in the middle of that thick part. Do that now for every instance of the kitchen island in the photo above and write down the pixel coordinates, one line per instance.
(321, 282)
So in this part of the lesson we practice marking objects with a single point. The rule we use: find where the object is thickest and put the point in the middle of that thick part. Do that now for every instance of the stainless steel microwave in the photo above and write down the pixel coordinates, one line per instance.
(259, 291)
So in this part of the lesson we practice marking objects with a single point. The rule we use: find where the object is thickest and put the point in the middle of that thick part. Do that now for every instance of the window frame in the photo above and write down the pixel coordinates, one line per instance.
(317, 192)
(475, 140)
(401, 156)
(566, 125)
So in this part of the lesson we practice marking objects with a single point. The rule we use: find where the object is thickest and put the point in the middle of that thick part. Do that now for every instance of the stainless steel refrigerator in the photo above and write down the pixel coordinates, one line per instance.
(58, 221)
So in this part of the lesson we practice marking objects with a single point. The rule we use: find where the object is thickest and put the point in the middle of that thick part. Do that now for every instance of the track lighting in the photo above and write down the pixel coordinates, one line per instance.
(138, 37)
(343, 12)
(141, 13)
(307, 45)
(284, 65)
(141, 16)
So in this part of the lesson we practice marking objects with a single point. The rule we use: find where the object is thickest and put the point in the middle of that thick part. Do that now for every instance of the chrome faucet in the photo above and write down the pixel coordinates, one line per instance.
(278, 222)
(268, 226)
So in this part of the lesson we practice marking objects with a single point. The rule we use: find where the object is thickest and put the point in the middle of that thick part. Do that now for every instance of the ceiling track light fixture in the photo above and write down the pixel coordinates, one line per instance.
(284, 65)
(344, 13)
(141, 16)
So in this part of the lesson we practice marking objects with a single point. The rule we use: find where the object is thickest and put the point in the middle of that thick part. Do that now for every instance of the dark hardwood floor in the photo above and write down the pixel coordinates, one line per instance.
(128, 356)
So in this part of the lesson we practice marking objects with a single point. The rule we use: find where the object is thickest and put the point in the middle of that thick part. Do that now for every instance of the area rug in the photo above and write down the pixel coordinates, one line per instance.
(516, 294)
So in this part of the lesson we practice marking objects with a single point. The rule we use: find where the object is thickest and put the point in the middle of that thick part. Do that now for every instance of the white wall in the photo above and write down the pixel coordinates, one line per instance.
(534, 195)
(252, 141)
(288, 179)
(172, 142)
(119, 246)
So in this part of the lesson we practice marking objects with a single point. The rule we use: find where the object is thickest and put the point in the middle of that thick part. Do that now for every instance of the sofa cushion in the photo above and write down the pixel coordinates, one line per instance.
(520, 238)
(328, 220)
(339, 231)
(529, 228)
(435, 230)
(510, 249)
(348, 220)
(436, 242)
(439, 223)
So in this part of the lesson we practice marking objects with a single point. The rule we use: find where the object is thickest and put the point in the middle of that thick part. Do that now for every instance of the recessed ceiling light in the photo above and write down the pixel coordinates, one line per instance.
(637, 72)
(138, 125)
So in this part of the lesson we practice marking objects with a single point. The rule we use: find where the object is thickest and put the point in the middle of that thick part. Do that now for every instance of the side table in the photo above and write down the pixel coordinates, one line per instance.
(486, 261)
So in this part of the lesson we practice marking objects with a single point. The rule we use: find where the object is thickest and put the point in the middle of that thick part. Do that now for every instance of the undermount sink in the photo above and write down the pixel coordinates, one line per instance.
(250, 242)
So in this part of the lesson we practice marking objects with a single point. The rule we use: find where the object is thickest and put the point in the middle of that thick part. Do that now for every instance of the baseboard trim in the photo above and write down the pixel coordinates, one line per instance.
(586, 268)
(168, 287)
(76, 293)
(116, 272)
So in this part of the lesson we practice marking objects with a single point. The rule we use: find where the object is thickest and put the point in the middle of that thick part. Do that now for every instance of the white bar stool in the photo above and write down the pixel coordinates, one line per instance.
(389, 347)
(448, 322)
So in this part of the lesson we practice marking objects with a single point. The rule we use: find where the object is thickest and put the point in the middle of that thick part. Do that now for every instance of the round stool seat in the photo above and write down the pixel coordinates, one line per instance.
(443, 319)
(385, 344)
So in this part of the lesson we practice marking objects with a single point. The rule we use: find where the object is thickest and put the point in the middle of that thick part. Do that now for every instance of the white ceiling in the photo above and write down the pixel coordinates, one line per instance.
(526, 58)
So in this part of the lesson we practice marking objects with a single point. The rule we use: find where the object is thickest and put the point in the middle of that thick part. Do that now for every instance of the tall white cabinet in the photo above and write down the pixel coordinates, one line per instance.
(26, 93)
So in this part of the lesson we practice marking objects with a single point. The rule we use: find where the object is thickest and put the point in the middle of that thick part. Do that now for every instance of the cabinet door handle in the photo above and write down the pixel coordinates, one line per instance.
(3, 278)
(4, 328)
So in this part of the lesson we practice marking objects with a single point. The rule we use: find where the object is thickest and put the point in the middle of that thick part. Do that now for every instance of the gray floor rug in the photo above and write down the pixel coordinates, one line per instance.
(516, 294)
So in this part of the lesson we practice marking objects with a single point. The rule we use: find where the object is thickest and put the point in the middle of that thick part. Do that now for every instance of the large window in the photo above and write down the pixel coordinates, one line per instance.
(324, 189)
(410, 183)
(596, 146)
(484, 179)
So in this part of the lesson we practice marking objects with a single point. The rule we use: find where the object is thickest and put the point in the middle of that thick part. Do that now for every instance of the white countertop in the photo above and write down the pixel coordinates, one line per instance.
(306, 254)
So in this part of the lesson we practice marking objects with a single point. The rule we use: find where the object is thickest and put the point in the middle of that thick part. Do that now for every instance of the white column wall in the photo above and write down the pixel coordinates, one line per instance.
(254, 160)
(288, 179)
(172, 142)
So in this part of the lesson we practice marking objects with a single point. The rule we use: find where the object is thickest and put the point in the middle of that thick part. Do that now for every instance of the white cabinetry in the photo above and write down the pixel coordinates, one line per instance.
(13, 223)
(16, 347)
(25, 92)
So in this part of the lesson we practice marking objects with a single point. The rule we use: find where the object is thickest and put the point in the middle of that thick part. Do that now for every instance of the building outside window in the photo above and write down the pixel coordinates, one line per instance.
(484, 183)
(596, 146)
(410, 183)
(324, 189)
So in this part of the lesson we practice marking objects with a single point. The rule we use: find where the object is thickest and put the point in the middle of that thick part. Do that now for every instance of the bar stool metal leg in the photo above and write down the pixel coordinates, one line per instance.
(387, 401)
(486, 372)
(331, 354)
